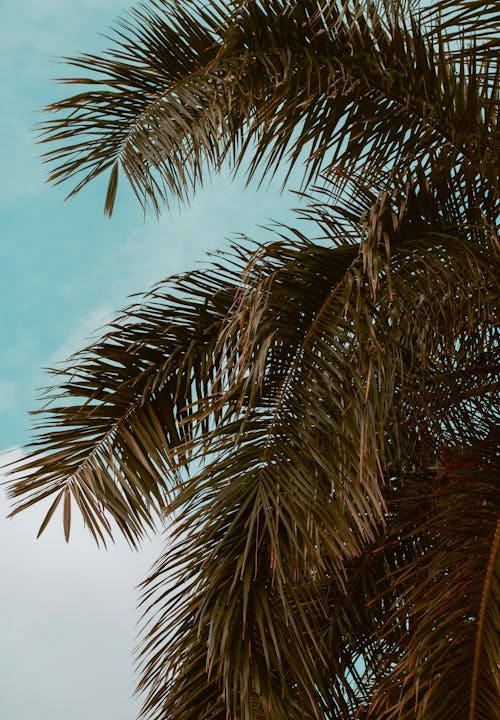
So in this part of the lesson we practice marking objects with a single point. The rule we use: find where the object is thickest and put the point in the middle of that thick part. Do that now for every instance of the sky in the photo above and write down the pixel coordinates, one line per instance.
(68, 611)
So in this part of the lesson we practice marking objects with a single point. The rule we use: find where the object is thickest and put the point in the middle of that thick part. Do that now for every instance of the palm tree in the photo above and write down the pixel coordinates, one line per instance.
(316, 417)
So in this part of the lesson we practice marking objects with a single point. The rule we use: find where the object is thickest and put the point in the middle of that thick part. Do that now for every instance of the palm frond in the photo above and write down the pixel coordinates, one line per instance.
(117, 428)
(447, 585)
(474, 19)
(279, 521)
(278, 671)
(286, 409)
(341, 84)
(307, 376)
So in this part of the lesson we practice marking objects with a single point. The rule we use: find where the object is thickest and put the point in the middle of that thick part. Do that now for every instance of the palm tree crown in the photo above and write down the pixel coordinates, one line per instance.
(315, 416)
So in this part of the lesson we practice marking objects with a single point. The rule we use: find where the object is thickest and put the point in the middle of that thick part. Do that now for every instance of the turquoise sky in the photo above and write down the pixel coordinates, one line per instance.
(68, 611)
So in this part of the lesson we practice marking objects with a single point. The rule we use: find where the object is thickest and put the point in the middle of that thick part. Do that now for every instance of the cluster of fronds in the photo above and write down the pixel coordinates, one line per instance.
(286, 407)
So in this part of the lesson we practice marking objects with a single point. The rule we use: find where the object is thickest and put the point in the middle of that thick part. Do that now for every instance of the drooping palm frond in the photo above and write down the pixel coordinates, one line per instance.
(307, 388)
(445, 574)
(302, 663)
(339, 84)
(316, 562)
(264, 562)
(119, 422)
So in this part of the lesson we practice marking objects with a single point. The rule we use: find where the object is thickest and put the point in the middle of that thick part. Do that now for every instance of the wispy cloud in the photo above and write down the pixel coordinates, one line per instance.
(7, 395)
(87, 329)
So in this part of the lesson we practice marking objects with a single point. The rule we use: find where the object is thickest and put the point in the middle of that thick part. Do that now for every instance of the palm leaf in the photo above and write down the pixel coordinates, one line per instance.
(112, 437)
(303, 384)
(186, 87)
(317, 541)
(446, 580)
(264, 516)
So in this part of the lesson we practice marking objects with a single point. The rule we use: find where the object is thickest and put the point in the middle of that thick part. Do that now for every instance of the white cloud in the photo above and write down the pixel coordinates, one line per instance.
(68, 620)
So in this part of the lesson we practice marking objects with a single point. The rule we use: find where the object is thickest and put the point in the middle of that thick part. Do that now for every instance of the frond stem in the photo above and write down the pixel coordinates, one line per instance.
(481, 621)
(103, 439)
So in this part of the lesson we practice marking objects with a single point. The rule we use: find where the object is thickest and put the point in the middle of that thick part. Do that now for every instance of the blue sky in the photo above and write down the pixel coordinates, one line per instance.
(68, 612)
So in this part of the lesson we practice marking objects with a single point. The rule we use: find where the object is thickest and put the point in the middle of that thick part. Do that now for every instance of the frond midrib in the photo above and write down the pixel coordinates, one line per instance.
(487, 586)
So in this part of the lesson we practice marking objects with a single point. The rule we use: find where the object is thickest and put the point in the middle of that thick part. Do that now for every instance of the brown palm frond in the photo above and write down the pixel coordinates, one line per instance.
(185, 87)
(315, 416)
(446, 581)
(118, 424)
